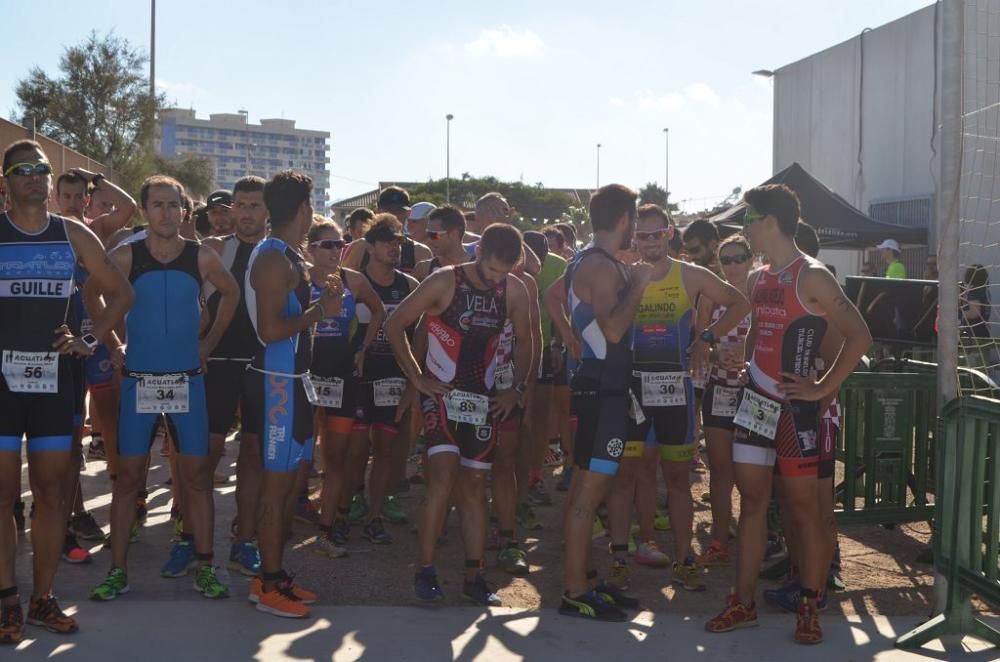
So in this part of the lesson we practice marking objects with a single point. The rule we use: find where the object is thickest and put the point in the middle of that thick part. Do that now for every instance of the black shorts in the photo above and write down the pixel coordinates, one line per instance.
(46, 419)
(602, 426)
(546, 375)
(795, 446)
(372, 411)
(718, 400)
(670, 428)
(224, 393)
(279, 412)
(77, 374)
(475, 444)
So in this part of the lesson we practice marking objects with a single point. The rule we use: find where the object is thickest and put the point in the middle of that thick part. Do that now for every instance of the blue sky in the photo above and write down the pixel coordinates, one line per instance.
(533, 86)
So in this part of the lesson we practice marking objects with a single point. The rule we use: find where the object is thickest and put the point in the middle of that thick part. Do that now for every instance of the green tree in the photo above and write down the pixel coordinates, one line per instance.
(653, 193)
(533, 205)
(100, 104)
(579, 217)
(196, 173)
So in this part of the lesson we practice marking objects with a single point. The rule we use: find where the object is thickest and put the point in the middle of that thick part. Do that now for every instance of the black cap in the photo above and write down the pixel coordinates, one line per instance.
(393, 197)
(383, 232)
(220, 198)
(538, 244)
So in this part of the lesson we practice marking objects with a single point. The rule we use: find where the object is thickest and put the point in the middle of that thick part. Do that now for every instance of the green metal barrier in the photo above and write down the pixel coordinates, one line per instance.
(885, 441)
(967, 536)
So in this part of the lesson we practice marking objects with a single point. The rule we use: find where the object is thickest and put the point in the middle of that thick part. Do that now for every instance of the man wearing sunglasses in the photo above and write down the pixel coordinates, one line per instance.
(794, 300)
(662, 429)
(445, 229)
(395, 201)
(38, 253)
(227, 366)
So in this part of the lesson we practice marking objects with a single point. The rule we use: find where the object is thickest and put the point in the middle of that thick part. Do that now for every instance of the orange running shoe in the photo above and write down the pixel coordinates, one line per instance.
(301, 594)
(807, 629)
(11, 624)
(715, 555)
(735, 616)
(45, 613)
(282, 602)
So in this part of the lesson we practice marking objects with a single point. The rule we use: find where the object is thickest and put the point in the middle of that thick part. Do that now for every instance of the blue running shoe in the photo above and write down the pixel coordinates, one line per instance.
(480, 592)
(789, 597)
(425, 585)
(244, 557)
(181, 560)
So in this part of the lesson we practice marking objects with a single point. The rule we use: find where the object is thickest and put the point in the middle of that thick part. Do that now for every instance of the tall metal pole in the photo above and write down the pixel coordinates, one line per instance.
(152, 48)
(598, 165)
(666, 169)
(447, 182)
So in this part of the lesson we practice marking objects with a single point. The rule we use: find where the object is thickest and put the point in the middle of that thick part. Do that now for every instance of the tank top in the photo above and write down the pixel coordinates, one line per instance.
(662, 327)
(36, 284)
(732, 342)
(288, 356)
(788, 334)
(239, 340)
(163, 323)
(379, 360)
(610, 364)
(462, 341)
(335, 340)
(553, 266)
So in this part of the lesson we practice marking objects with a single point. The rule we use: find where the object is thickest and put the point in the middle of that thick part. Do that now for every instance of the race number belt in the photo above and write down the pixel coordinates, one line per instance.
(724, 401)
(388, 392)
(758, 413)
(663, 389)
(329, 391)
(465, 407)
(162, 394)
(31, 372)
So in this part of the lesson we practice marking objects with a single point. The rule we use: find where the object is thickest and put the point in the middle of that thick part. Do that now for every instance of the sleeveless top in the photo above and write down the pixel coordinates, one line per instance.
(379, 360)
(336, 338)
(733, 341)
(662, 327)
(239, 340)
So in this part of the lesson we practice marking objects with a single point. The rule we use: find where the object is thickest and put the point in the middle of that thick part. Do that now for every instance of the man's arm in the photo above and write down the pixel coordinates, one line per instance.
(556, 304)
(532, 265)
(355, 251)
(272, 278)
(534, 324)
(430, 296)
(106, 225)
(598, 282)
(519, 313)
(718, 291)
(421, 252)
(213, 271)
(215, 243)
(422, 270)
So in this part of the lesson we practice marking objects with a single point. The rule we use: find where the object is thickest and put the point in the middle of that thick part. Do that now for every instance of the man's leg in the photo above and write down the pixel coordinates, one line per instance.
(125, 490)
(385, 441)
(47, 472)
(10, 493)
(801, 495)
(472, 505)
(720, 477)
(590, 489)
(505, 484)
(754, 483)
(276, 488)
(623, 495)
(440, 480)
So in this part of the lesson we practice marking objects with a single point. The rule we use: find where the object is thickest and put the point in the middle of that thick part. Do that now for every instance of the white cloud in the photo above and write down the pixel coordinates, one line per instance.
(175, 88)
(703, 93)
(616, 101)
(504, 41)
(671, 101)
(695, 94)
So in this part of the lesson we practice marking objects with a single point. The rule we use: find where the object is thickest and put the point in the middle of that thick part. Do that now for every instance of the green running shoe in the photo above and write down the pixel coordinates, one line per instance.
(115, 584)
(392, 511)
(526, 518)
(206, 583)
(513, 561)
(359, 509)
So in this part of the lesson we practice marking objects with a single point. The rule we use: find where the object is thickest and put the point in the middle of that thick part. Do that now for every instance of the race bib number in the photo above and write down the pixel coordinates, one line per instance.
(329, 391)
(465, 407)
(388, 392)
(724, 401)
(635, 409)
(31, 372)
(663, 389)
(162, 394)
(758, 413)
(307, 386)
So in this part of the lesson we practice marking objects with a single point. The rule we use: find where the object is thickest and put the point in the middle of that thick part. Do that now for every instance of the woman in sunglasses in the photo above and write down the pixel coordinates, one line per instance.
(338, 360)
(718, 406)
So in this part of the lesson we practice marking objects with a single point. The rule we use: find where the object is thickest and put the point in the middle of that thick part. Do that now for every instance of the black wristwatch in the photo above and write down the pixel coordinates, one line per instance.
(98, 178)
(707, 336)
(90, 340)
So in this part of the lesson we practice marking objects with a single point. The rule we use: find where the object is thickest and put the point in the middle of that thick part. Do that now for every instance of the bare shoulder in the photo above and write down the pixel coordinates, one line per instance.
(215, 243)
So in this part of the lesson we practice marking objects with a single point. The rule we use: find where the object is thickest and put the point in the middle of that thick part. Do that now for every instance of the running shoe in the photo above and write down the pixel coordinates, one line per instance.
(140, 512)
(553, 456)
(359, 509)
(619, 574)
(538, 495)
(45, 612)
(834, 582)
(736, 615)
(281, 602)
(480, 592)
(592, 606)
(85, 526)
(11, 624)
(789, 596)
(687, 576)
(340, 533)
(598, 531)
(807, 629)
(565, 480)
(662, 522)
(115, 584)
(616, 596)
(775, 550)
(375, 533)
(426, 587)
(328, 546)
(649, 554)
(73, 553)
(526, 518)
(181, 560)
(715, 555)
(244, 557)
(96, 451)
(299, 593)
(632, 547)
(207, 583)
(307, 511)
(392, 510)
(19, 516)
(513, 560)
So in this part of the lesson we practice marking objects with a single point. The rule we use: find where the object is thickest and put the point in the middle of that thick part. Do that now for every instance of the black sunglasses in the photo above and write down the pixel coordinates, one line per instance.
(434, 235)
(329, 244)
(654, 235)
(27, 169)
(726, 260)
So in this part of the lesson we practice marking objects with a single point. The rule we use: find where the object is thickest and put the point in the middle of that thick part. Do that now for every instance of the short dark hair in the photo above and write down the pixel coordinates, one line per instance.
(19, 146)
(736, 240)
(359, 215)
(650, 210)
(569, 232)
(201, 223)
(806, 239)
(676, 242)
(501, 241)
(71, 178)
(607, 205)
(249, 184)
(285, 193)
(159, 180)
(451, 218)
(701, 229)
(537, 243)
(385, 224)
(779, 201)
(552, 231)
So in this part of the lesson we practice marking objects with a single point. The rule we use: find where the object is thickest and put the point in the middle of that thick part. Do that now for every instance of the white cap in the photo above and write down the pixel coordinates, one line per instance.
(419, 211)
(889, 243)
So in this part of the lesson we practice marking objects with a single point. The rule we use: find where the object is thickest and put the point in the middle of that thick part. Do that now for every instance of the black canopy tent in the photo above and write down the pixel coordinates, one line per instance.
(837, 222)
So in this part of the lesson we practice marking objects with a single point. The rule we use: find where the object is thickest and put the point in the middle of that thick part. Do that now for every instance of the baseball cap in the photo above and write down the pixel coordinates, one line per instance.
(889, 243)
(383, 233)
(420, 210)
(394, 197)
(220, 198)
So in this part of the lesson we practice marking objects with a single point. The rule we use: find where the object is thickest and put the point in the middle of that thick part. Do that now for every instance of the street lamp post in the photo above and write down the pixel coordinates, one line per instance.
(666, 169)
(447, 177)
(598, 165)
